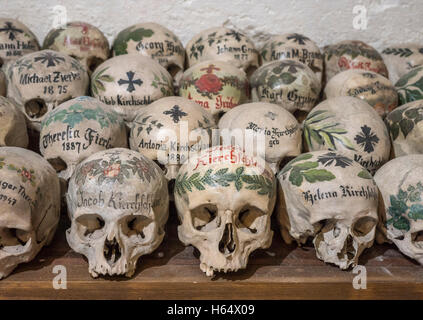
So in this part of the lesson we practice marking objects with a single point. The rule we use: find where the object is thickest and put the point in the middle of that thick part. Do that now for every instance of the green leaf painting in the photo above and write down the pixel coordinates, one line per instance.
(410, 90)
(403, 120)
(97, 80)
(120, 45)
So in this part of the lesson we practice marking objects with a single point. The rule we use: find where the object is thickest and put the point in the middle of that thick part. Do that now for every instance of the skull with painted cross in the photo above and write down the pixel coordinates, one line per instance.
(224, 200)
(30, 206)
(118, 205)
(401, 58)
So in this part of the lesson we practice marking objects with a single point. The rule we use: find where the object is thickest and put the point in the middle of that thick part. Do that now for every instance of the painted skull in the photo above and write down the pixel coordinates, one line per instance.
(77, 129)
(410, 86)
(42, 80)
(327, 196)
(216, 85)
(405, 126)
(224, 44)
(288, 83)
(400, 183)
(154, 41)
(401, 58)
(3, 84)
(369, 86)
(349, 125)
(129, 82)
(224, 200)
(81, 41)
(281, 130)
(13, 131)
(30, 206)
(16, 40)
(294, 46)
(167, 126)
(118, 205)
(352, 54)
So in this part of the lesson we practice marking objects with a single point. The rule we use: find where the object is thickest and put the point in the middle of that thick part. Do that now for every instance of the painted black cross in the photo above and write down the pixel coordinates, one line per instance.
(130, 82)
(175, 113)
(367, 139)
(12, 30)
(49, 57)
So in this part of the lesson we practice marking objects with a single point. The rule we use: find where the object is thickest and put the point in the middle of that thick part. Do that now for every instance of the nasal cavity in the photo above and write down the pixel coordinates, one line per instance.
(227, 244)
(35, 108)
(112, 251)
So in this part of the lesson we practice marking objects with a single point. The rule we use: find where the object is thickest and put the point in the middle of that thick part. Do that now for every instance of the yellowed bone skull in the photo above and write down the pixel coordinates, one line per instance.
(81, 41)
(224, 200)
(30, 206)
(13, 131)
(77, 129)
(328, 197)
(167, 130)
(400, 182)
(42, 80)
(118, 205)
(279, 128)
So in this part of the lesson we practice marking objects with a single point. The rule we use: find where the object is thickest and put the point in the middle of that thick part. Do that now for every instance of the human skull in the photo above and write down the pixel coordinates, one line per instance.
(3, 84)
(400, 183)
(293, 46)
(401, 58)
(77, 129)
(288, 83)
(410, 86)
(81, 41)
(405, 126)
(352, 54)
(129, 82)
(118, 205)
(281, 130)
(166, 127)
(16, 40)
(349, 125)
(224, 200)
(327, 196)
(30, 206)
(42, 80)
(13, 131)
(216, 85)
(224, 44)
(154, 41)
(369, 86)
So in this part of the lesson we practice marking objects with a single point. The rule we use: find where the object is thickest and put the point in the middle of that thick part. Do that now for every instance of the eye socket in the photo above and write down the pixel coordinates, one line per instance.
(90, 225)
(136, 225)
(173, 69)
(12, 240)
(417, 239)
(363, 226)
(251, 219)
(35, 108)
(93, 63)
(203, 218)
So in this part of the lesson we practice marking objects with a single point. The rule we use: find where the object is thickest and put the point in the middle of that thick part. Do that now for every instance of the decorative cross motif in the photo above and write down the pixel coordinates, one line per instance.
(49, 57)
(210, 68)
(298, 38)
(9, 28)
(130, 82)
(367, 139)
(175, 113)
(235, 34)
(270, 115)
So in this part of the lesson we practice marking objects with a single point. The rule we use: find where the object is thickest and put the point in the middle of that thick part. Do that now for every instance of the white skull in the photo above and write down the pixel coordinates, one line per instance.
(30, 206)
(281, 130)
(42, 80)
(349, 125)
(224, 200)
(118, 205)
(405, 126)
(77, 129)
(13, 131)
(172, 126)
(328, 197)
(81, 41)
(400, 182)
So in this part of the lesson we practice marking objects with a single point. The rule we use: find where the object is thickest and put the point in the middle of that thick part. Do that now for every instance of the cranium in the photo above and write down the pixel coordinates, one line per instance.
(118, 205)
(216, 85)
(400, 183)
(77, 129)
(327, 196)
(349, 125)
(410, 86)
(281, 130)
(42, 80)
(81, 41)
(224, 200)
(30, 206)
(13, 131)
(166, 127)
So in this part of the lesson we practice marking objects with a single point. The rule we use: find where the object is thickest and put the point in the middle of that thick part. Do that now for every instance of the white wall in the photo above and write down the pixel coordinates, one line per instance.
(324, 21)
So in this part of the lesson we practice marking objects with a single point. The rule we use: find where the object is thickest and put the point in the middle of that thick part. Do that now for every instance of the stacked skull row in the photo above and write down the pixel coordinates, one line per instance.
(323, 167)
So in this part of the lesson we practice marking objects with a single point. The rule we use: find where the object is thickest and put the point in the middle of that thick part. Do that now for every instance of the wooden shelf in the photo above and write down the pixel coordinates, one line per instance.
(172, 272)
